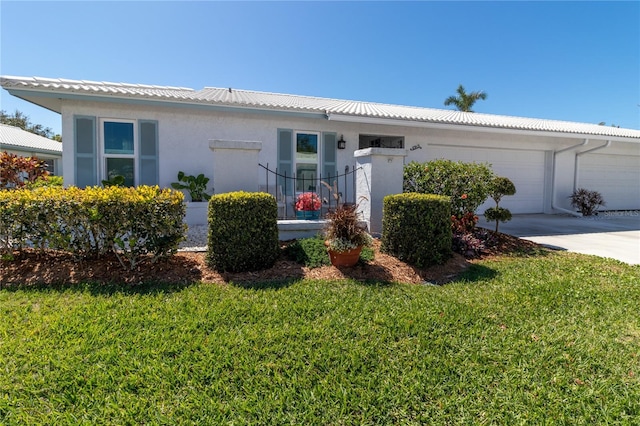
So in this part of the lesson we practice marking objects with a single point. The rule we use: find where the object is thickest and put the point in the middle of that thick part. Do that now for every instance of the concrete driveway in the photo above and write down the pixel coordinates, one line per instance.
(610, 234)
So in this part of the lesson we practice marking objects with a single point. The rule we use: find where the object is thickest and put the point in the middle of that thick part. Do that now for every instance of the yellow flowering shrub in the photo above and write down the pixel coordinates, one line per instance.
(131, 222)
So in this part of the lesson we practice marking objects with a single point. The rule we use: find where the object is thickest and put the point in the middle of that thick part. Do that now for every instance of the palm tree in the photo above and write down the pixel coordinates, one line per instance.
(464, 101)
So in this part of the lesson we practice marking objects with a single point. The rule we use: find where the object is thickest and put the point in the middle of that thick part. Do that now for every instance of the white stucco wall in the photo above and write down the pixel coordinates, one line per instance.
(184, 135)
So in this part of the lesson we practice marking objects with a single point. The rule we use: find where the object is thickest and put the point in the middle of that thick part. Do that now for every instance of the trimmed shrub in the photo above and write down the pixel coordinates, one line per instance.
(500, 186)
(416, 228)
(468, 184)
(243, 231)
(130, 222)
(586, 201)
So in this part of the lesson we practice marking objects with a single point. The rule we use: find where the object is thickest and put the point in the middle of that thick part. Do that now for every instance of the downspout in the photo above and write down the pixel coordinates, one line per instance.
(553, 178)
(575, 168)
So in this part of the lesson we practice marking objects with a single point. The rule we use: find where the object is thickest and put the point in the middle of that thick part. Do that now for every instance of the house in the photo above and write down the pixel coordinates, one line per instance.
(149, 133)
(16, 141)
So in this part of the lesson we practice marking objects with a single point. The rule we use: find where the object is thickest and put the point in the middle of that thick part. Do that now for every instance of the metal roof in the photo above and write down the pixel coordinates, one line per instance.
(15, 137)
(331, 108)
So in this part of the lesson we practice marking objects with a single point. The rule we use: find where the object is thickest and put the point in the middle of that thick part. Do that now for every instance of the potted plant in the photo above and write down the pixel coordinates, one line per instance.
(308, 206)
(195, 185)
(345, 236)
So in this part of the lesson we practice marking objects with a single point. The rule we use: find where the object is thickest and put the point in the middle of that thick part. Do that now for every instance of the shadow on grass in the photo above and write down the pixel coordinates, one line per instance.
(476, 273)
(102, 289)
(265, 285)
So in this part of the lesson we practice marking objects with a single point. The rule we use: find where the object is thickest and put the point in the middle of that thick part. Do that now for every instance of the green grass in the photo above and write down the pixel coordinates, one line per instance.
(552, 339)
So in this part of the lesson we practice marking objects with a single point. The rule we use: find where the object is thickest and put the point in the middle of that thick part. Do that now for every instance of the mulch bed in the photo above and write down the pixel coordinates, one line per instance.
(30, 267)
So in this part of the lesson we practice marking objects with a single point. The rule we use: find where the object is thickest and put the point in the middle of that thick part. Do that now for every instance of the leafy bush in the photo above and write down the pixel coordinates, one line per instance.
(467, 244)
(117, 180)
(195, 185)
(310, 252)
(243, 231)
(42, 181)
(497, 215)
(586, 201)
(500, 186)
(416, 228)
(468, 184)
(16, 171)
(465, 223)
(130, 222)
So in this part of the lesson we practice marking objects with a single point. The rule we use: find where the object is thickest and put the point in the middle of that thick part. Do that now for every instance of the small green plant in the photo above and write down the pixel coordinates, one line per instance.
(310, 252)
(500, 186)
(195, 185)
(586, 201)
(42, 181)
(117, 180)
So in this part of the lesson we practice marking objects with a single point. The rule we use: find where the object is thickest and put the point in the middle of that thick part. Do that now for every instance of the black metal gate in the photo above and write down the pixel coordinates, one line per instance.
(333, 190)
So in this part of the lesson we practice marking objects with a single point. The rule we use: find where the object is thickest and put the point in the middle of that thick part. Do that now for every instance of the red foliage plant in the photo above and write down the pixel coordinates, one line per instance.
(16, 171)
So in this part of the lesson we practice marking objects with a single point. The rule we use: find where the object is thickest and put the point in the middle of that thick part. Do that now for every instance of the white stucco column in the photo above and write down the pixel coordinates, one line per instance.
(235, 165)
(379, 173)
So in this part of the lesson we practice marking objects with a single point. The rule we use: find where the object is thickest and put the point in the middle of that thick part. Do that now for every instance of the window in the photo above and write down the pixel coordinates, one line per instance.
(105, 148)
(377, 141)
(119, 151)
(306, 161)
(51, 166)
(305, 155)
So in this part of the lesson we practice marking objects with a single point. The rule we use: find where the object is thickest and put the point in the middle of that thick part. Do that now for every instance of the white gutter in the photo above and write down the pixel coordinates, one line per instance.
(553, 178)
(575, 167)
(474, 127)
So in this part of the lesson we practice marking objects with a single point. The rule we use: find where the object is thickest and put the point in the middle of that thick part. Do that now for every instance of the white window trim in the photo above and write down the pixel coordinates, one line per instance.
(102, 156)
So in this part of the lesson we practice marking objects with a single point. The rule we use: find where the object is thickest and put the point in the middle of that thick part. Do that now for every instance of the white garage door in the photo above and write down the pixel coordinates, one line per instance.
(524, 168)
(616, 177)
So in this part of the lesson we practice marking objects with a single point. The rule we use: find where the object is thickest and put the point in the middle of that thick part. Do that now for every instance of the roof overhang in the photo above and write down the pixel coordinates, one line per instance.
(471, 128)
(52, 101)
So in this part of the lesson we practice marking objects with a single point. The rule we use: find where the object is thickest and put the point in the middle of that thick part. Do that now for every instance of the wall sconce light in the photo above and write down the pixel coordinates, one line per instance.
(342, 144)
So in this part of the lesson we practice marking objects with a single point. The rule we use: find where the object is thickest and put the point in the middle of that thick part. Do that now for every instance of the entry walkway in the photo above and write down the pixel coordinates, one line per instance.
(610, 234)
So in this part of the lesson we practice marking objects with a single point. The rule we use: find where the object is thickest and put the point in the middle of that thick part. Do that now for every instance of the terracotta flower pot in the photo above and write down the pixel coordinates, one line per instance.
(344, 258)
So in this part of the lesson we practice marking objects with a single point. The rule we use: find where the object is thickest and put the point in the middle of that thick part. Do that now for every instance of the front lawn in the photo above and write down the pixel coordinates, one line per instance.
(516, 340)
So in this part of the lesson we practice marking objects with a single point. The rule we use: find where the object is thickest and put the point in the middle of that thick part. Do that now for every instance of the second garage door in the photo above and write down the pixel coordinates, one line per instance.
(616, 177)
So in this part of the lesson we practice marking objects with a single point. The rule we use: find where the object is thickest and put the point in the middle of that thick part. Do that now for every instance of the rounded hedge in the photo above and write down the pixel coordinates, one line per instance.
(416, 228)
(243, 231)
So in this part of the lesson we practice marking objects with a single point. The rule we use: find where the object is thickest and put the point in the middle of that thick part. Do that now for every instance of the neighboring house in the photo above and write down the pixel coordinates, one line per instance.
(14, 140)
(149, 133)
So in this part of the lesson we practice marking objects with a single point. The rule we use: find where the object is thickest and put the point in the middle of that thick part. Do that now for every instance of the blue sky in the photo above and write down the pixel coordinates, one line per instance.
(575, 61)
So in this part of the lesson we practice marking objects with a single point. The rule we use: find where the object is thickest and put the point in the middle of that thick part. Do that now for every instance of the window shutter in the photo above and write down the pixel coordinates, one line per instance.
(329, 151)
(85, 146)
(148, 158)
(285, 160)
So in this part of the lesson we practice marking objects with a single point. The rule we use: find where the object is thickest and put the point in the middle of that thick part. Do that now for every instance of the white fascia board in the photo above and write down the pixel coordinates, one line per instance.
(472, 128)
